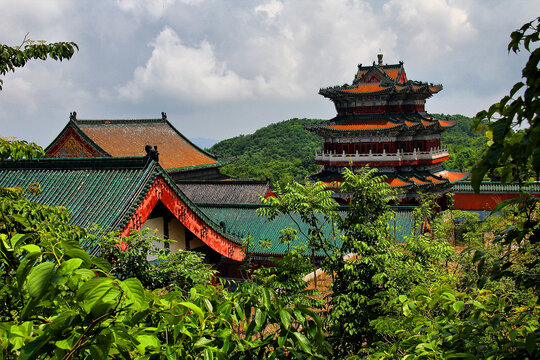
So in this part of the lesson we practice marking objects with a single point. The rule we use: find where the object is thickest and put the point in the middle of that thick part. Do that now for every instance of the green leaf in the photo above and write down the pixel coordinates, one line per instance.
(39, 279)
(197, 310)
(69, 266)
(147, 341)
(33, 349)
(134, 292)
(285, 317)
(458, 305)
(76, 252)
(530, 343)
(101, 263)
(31, 248)
(18, 239)
(203, 341)
(259, 318)
(303, 341)
(25, 266)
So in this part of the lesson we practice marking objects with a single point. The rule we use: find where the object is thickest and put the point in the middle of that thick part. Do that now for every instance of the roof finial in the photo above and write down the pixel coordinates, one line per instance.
(152, 154)
(73, 116)
(163, 115)
(379, 57)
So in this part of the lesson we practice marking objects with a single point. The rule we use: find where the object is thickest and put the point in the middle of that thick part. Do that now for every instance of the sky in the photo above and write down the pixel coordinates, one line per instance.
(224, 68)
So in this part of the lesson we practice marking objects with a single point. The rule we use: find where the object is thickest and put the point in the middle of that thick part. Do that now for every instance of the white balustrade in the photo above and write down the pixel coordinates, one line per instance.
(432, 154)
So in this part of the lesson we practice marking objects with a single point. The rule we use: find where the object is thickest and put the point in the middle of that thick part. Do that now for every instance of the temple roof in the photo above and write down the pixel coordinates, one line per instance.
(381, 79)
(120, 138)
(381, 122)
(409, 182)
(225, 192)
(244, 221)
(104, 191)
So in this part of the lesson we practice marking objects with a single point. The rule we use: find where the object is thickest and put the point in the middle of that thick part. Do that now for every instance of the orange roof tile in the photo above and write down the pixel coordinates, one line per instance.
(452, 176)
(393, 73)
(416, 180)
(128, 138)
(364, 124)
(395, 182)
(410, 123)
(366, 87)
(432, 179)
(427, 123)
(446, 123)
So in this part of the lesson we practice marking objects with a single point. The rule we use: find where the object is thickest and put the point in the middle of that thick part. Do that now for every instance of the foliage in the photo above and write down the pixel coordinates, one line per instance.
(516, 153)
(513, 135)
(286, 276)
(58, 301)
(19, 150)
(438, 322)
(12, 57)
(280, 152)
(141, 256)
(464, 144)
(357, 253)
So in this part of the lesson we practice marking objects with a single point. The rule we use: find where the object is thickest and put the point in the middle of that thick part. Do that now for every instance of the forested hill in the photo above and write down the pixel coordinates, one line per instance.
(285, 150)
(280, 151)
(465, 145)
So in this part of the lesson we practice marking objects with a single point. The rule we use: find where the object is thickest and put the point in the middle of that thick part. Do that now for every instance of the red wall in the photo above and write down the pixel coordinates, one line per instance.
(468, 201)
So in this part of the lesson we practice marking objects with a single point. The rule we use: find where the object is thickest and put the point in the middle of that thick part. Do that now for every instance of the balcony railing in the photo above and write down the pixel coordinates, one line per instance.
(432, 154)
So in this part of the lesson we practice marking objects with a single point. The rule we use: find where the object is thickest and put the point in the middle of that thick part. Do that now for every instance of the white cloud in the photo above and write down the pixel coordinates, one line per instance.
(155, 8)
(271, 9)
(187, 73)
(433, 27)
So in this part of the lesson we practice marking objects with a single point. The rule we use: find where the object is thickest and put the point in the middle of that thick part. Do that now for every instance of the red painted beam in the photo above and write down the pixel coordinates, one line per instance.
(193, 222)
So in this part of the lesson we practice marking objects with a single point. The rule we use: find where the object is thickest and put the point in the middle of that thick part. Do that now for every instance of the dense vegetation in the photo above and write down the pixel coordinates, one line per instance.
(280, 151)
(464, 144)
(285, 150)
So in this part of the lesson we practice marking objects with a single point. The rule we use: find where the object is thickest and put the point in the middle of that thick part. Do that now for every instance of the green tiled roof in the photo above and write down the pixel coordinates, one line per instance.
(104, 191)
(243, 220)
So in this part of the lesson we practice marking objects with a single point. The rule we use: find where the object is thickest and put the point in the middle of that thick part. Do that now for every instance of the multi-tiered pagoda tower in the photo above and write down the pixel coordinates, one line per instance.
(381, 122)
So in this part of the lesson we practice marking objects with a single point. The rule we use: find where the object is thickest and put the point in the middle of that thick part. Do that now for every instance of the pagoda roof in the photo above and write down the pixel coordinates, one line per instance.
(408, 181)
(381, 79)
(128, 137)
(381, 122)
(103, 191)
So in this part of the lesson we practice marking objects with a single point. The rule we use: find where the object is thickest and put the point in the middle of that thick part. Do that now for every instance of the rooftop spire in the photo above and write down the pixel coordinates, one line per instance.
(379, 57)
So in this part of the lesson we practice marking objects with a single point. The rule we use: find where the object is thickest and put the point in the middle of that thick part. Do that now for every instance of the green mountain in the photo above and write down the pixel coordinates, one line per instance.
(281, 151)
(464, 144)
(285, 150)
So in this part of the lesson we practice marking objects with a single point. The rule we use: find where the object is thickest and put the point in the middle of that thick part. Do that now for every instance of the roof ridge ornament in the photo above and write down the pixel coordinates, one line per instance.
(163, 116)
(73, 116)
(379, 57)
(152, 153)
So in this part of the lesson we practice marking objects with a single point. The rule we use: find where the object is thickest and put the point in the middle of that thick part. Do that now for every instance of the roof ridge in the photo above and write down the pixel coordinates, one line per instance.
(117, 121)
(77, 163)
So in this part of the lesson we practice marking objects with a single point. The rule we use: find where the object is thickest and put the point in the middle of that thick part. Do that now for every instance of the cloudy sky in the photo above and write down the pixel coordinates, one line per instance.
(224, 68)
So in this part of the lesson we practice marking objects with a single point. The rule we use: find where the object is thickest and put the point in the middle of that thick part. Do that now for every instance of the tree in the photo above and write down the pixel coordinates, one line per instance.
(514, 122)
(514, 149)
(355, 246)
(12, 57)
